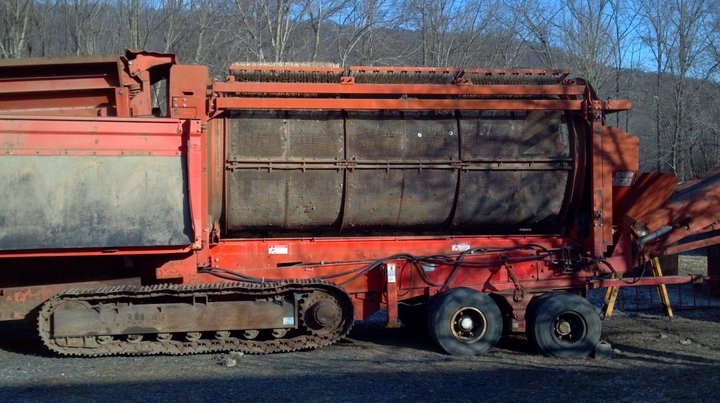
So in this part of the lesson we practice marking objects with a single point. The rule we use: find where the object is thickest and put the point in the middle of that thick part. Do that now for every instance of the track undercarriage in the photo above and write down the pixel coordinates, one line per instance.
(255, 318)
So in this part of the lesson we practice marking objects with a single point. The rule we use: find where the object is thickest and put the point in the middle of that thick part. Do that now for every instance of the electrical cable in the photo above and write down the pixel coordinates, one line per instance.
(458, 263)
(618, 276)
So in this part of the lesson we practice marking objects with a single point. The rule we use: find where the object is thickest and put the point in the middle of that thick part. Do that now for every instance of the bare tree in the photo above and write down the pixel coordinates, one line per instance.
(175, 23)
(15, 17)
(143, 22)
(354, 31)
(655, 34)
(215, 41)
(249, 32)
(677, 35)
(709, 146)
(44, 27)
(433, 20)
(278, 19)
(207, 25)
(84, 26)
(624, 25)
(689, 45)
(473, 29)
(588, 40)
(452, 32)
(538, 29)
(504, 49)
(319, 13)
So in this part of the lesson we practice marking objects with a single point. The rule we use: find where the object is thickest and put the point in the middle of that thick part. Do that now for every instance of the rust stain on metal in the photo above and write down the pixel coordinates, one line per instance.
(23, 296)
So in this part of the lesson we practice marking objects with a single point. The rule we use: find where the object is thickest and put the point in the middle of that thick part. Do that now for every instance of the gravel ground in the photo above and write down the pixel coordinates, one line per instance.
(654, 359)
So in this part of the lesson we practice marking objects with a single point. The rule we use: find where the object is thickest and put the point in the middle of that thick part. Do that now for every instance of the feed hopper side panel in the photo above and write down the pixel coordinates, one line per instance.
(93, 202)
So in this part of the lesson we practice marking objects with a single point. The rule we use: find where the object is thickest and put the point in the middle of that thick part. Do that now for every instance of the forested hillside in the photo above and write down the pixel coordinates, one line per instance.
(663, 55)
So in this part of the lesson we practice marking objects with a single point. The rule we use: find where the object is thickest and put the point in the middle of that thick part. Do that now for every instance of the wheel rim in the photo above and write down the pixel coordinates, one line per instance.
(569, 328)
(468, 325)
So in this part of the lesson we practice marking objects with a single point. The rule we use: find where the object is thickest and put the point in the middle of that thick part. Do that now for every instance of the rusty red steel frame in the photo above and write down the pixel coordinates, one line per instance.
(84, 113)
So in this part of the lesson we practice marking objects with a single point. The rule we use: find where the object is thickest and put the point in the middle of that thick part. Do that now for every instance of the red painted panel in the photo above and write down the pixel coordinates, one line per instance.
(393, 89)
(395, 104)
(89, 136)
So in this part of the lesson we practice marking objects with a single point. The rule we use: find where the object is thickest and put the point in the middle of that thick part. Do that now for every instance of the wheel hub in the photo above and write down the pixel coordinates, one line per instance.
(570, 328)
(563, 328)
(325, 313)
(468, 325)
(321, 313)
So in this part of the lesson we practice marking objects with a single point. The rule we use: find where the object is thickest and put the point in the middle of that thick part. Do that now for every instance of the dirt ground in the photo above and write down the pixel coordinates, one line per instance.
(654, 359)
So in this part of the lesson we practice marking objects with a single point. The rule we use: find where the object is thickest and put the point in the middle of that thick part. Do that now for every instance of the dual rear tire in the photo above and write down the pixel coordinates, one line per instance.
(463, 321)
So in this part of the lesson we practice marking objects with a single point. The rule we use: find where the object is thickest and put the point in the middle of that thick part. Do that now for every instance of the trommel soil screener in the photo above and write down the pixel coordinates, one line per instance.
(268, 211)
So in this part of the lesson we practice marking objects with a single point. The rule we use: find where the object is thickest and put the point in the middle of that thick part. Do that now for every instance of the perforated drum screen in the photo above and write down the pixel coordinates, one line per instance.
(334, 172)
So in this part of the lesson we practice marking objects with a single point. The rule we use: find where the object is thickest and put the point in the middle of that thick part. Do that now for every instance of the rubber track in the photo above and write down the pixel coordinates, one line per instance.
(178, 347)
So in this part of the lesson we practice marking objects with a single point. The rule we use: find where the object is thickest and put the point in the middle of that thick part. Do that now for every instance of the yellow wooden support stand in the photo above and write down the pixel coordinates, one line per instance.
(612, 293)
(662, 288)
(610, 298)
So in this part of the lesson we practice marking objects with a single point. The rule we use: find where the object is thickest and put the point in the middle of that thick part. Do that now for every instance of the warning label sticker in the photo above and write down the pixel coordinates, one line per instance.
(278, 249)
(623, 178)
(460, 247)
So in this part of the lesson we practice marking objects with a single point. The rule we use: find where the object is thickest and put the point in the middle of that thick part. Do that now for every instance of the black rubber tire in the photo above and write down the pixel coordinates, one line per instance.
(414, 315)
(561, 324)
(464, 306)
(530, 316)
(535, 301)
(530, 310)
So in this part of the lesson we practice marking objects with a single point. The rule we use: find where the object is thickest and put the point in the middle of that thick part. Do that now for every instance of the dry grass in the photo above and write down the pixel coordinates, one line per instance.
(692, 265)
